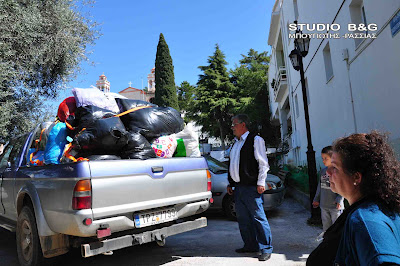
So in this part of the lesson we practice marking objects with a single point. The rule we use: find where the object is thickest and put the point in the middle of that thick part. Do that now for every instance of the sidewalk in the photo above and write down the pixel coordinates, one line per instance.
(304, 200)
(299, 196)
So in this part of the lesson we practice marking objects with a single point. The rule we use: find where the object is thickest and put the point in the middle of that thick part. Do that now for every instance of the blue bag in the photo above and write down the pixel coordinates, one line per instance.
(55, 144)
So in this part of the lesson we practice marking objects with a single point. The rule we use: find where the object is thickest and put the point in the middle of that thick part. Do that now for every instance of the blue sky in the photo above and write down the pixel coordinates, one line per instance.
(130, 32)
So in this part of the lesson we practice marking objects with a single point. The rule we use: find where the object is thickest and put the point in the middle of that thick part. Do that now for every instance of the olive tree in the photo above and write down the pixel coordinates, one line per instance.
(42, 43)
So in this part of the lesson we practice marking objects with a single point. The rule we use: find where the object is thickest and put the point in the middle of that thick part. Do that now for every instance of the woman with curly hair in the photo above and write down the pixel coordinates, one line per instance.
(364, 170)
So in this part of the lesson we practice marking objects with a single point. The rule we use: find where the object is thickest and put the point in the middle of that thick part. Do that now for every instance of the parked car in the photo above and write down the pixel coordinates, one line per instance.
(273, 195)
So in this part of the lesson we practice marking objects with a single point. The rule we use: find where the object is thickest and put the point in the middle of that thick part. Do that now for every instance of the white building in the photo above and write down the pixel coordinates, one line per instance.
(352, 84)
(137, 94)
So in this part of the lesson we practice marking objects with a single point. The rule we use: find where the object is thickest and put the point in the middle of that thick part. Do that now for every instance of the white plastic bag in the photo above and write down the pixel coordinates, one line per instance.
(190, 140)
(164, 146)
(113, 95)
(93, 96)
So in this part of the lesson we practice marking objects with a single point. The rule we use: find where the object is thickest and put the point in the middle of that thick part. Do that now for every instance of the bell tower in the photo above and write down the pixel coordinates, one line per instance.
(103, 84)
(151, 81)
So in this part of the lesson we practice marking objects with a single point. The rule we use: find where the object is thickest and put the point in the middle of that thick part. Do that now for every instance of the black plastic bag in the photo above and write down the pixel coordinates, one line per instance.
(153, 122)
(85, 116)
(137, 148)
(103, 136)
(127, 104)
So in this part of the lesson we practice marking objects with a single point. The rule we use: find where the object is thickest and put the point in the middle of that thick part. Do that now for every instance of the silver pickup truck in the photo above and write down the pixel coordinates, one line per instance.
(99, 206)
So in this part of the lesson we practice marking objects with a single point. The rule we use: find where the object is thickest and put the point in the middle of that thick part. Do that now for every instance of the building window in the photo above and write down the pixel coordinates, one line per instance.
(289, 128)
(328, 62)
(296, 103)
(357, 14)
(296, 10)
(363, 17)
(307, 92)
(297, 155)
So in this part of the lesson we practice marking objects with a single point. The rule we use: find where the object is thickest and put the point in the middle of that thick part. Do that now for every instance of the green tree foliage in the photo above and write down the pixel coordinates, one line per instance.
(41, 46)
(164, 77)
(7, 105)
(185, 93)
(250, 80)
(214, 100)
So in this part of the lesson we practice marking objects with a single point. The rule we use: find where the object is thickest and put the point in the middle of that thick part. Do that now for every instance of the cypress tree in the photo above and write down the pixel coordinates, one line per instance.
(164, 77)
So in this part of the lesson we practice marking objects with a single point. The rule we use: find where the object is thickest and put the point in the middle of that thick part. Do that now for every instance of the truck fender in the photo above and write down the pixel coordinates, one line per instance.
(52, 244)
(30, 191)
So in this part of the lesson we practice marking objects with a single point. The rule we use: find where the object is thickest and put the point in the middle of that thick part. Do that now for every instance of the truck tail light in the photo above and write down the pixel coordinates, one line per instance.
(208, 180)
(82, 195)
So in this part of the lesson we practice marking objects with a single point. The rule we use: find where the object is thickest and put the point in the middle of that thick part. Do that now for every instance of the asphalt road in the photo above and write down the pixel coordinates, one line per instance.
(293, 240)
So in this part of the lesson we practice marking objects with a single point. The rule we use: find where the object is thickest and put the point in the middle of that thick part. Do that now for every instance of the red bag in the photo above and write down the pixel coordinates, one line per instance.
(66, 108)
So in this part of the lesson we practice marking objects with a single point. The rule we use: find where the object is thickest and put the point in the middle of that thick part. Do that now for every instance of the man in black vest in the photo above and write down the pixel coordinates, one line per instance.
(248, 169)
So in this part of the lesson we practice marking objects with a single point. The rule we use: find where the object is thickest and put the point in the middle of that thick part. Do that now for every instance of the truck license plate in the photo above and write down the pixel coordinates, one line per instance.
(155, 217)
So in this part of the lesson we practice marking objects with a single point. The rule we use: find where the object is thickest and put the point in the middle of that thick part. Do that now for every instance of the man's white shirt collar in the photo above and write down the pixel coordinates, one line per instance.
(243, 137)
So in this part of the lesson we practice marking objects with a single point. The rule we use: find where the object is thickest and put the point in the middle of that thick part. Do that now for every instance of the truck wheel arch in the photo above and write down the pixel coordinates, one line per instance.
(23, 200)
(26, 196)
(52, 244)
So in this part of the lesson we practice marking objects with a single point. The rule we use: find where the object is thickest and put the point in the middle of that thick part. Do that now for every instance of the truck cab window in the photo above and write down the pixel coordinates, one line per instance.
(12, 152)
(5, 156)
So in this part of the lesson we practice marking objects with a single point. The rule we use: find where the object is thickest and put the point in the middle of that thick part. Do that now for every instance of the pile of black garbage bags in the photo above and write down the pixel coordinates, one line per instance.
(97, 129)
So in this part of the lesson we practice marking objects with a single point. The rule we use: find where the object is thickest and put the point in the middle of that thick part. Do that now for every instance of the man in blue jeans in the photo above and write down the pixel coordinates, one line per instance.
(248, 167)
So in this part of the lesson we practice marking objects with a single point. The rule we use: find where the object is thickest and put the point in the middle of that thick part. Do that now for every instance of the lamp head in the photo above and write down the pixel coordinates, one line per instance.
(294, 58)
(303, 45)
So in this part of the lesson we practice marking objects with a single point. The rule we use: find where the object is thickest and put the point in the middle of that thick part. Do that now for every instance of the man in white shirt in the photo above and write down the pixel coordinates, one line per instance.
(248, 170)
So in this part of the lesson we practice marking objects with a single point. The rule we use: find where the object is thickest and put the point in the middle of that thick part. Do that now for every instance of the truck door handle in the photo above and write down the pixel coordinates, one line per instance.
(157, 169)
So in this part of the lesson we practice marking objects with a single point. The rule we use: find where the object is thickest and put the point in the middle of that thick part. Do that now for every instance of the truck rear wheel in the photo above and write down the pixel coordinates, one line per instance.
(28, 244)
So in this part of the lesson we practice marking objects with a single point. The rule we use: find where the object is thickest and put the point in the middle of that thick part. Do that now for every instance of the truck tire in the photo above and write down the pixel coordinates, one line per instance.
(28, 244)
(161, 243)
(229, 207)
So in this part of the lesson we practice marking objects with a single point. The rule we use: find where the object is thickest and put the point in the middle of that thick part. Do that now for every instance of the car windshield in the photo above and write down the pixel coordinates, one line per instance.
(216, 166)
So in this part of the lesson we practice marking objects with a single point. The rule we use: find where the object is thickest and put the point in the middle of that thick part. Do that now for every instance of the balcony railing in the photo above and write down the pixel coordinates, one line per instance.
(285, 145)
(280, 83)
(288, 139)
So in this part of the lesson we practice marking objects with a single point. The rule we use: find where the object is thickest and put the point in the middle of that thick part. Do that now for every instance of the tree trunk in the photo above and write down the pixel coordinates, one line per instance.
(222, 136)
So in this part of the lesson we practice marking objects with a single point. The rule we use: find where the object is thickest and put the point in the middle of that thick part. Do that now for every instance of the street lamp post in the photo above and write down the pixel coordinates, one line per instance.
(296, 57)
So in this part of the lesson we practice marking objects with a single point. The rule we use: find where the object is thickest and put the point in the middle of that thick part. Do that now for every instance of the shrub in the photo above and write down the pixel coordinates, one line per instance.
(298, 177)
